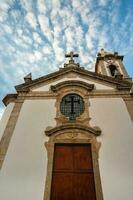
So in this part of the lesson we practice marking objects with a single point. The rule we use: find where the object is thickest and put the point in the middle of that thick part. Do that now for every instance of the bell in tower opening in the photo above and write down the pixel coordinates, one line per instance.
(110, 64)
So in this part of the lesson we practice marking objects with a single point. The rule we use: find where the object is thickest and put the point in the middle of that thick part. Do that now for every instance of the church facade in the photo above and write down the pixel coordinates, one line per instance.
(69, 135)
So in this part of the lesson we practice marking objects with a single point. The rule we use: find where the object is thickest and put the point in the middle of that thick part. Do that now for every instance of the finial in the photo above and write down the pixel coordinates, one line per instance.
(28, 78)
(102, 50)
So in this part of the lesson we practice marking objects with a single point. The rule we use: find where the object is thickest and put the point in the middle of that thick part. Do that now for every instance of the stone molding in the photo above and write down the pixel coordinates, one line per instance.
(52, 95)
(73, 128)
(8, 132)
(80, 136)
(84, 117)
(9, 98)
(72, 83)
(126, 87)
(74, 69)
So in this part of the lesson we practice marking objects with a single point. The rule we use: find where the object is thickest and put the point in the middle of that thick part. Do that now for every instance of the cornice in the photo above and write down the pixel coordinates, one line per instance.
(52, 95)
(9, 98)
(124, 87)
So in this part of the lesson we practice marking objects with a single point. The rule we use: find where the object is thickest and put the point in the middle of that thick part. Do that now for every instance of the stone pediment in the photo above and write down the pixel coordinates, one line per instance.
(75, 127)
(61, 78)
(72, 83)
(102, 79)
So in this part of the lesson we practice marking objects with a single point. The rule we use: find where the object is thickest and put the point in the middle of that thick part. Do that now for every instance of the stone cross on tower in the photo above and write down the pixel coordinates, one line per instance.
(71, 55)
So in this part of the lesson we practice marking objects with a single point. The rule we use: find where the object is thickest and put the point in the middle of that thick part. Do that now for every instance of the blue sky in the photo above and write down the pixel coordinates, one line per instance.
(36, 34)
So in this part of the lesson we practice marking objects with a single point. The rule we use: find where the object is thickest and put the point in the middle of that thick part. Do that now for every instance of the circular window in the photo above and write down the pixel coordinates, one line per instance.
(72, 106)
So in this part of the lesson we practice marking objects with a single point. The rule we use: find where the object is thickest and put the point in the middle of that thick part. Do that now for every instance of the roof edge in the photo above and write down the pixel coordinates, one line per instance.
(26, 86)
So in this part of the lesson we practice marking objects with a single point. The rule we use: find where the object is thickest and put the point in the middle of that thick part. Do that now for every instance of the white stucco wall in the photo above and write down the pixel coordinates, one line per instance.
(116, 152)
(5, 117)
(97, 85)
(22, 176)
(23, 173)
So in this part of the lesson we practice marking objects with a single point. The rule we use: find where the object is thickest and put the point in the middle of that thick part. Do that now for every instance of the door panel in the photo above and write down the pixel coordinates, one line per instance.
(62, 186)
(63, 158)
(82, 157)
(73, 177)
(83, 187)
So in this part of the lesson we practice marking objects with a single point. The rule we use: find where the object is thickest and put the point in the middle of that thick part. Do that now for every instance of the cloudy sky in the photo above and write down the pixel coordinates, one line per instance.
(35, 35)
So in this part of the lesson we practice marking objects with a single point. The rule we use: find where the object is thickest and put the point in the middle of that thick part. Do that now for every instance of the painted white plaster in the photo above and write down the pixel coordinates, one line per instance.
(97, 85)
(116, 152)
(5, 117)
(24, 170)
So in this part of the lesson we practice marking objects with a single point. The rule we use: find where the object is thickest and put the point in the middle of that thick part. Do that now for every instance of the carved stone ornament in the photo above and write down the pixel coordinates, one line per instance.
(73, 128)
(67, 88)
(72, 83)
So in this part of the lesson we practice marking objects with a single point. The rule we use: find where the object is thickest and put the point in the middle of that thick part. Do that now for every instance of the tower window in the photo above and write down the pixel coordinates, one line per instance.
(113, 70)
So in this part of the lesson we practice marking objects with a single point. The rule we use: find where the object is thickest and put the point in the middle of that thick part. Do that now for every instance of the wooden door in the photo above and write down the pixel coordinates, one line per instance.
(73, 177)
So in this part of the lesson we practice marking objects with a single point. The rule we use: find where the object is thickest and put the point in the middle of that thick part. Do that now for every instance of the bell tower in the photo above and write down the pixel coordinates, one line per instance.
(110, 64)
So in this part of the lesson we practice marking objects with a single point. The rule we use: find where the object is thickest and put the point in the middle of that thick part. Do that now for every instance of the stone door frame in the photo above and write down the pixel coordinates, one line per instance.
(73, 136)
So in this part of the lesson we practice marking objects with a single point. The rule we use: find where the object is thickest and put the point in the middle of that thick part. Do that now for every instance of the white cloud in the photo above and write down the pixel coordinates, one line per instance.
(4, 6)
(37, 37)
(76, 4)
(30, 57)
(82, 6)
(25, 62)
(57, 30)
(30, 17)
(27, 4)
(19, 32)
(56, 4)
(59, 52)
(27, 39)
(41, 6)
(79, 34)
(70, 36)
(65, 15)
(20, 42)
(7, 29)
(89, 41)
(103, 2)
(37, 55)
(45, 27)
(47, 49)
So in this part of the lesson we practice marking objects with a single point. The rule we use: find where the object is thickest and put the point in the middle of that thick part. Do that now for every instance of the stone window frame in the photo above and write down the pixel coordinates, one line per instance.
(74, 135)
(84, 117)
